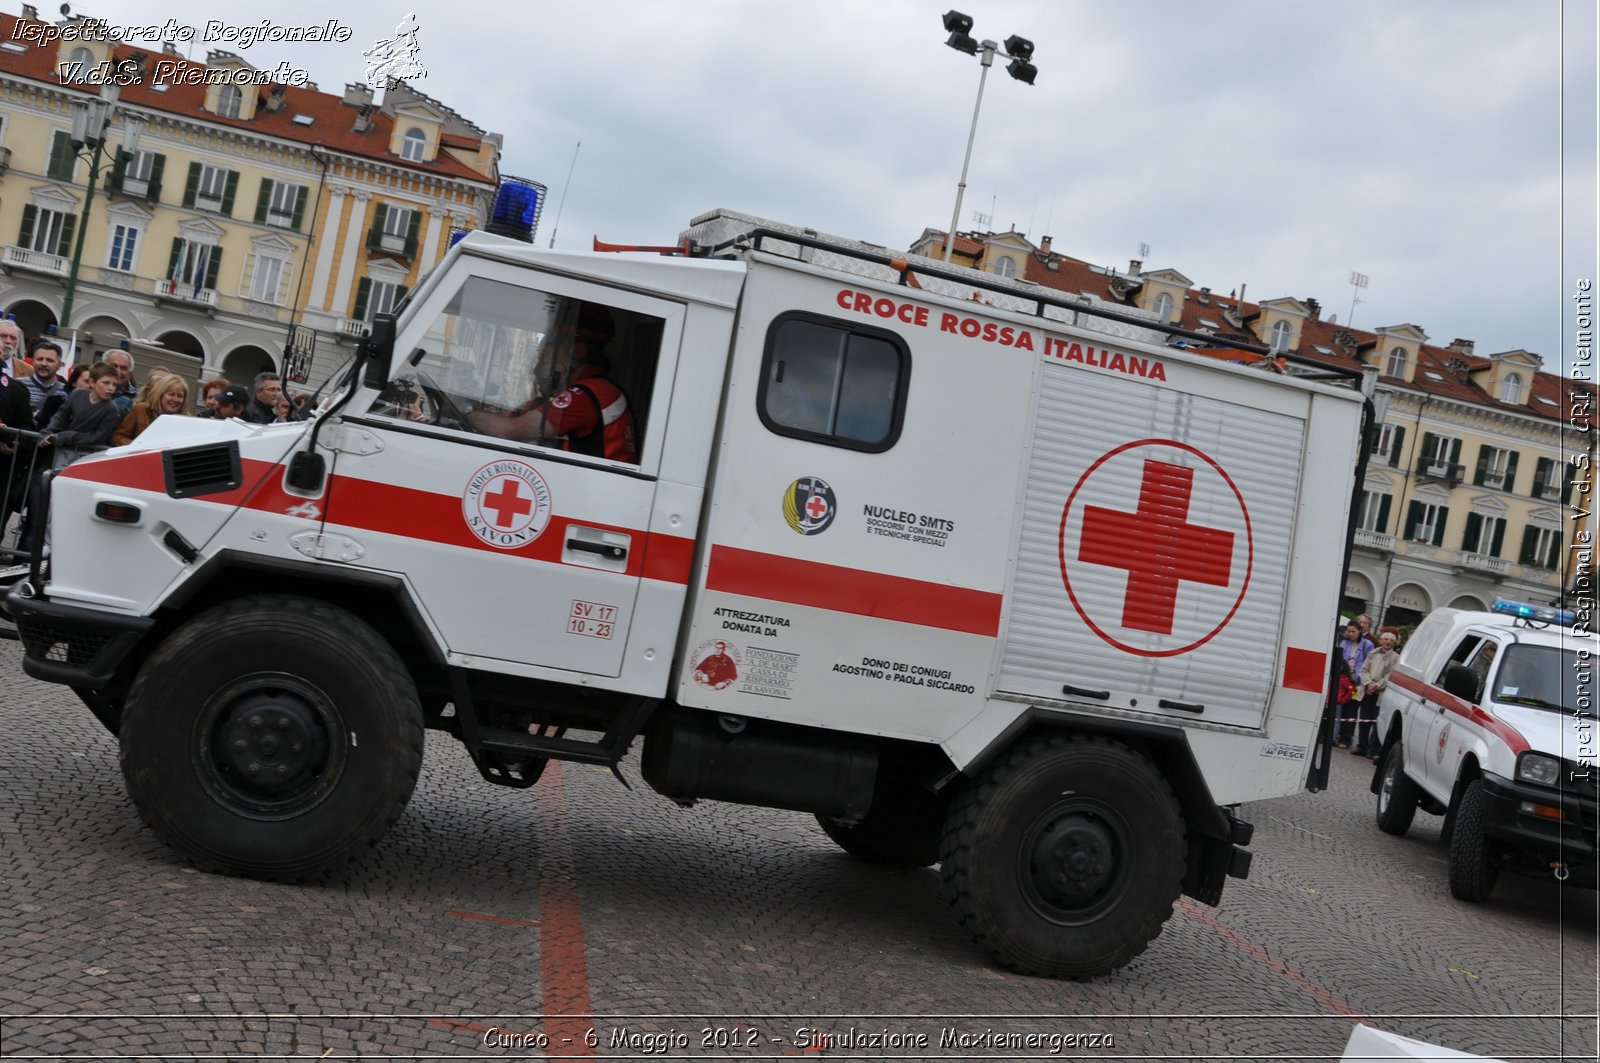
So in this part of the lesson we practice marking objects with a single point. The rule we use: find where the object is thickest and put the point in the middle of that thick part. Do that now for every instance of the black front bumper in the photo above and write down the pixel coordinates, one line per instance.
(70, 644)
(1570, 840)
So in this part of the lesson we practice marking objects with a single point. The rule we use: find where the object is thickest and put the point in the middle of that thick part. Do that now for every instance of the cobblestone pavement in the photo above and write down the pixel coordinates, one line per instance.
(581, 920)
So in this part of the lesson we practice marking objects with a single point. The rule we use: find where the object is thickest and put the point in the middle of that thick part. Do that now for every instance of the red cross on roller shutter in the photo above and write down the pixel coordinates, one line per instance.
(1157, 546)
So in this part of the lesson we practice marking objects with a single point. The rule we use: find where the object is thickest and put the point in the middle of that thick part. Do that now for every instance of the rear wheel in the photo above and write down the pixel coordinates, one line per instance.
(1472, 867)
(1397, 794)
(1065, 857)
(274, 737)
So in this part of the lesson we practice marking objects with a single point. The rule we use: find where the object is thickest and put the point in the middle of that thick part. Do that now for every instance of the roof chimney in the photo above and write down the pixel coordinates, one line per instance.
(275, 97)
(169, 48)
(1044, 245)
(30, 12)
(1135, 266)
(1241, 294)
(1313, 306)
(363, 119)
(1464, 346)
(357, 94)
(1205, 296)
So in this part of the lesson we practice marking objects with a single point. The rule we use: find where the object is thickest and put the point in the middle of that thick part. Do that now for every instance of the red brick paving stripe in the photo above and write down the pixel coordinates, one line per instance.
(484, 917)
(564, 964)
(1326, 997)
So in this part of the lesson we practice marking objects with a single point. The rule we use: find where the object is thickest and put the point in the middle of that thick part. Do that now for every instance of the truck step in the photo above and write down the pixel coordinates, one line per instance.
(501, 740)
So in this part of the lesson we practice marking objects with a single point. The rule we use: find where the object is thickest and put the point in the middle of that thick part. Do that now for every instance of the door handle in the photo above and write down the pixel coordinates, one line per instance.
(607, 550)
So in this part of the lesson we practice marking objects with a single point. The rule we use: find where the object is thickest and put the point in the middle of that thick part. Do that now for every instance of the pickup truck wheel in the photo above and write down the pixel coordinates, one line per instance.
(1397, 794)
(1472, 867)
(902, 829)
(274, 737)
(1064, 858)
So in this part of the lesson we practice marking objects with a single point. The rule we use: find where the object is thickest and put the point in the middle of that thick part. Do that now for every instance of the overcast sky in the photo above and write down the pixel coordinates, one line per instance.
(1274, 144)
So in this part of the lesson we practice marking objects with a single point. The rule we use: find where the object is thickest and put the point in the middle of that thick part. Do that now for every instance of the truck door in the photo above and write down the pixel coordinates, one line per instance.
(507, 472)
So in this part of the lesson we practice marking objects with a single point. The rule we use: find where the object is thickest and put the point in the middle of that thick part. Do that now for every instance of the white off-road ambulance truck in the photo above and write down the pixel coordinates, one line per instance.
(979, 574)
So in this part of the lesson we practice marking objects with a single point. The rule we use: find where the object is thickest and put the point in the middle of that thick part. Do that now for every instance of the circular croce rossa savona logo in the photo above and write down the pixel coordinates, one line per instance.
(506, 504)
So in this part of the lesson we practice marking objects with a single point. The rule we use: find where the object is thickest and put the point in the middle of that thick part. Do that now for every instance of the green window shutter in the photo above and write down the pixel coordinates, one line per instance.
(299, 207)
(1413, 518)
(1553, 559)
(1383, 513)
(1469, 538)
(191, 185)
(1511, 472)
(212, 266)
(1499, 539)
(118, 169)
(363, 291)
(1541, 474)
(1438, 528)
(172, 263)
(62, 157)
(64, 245)
(1396, 448)
(1455, 452)
(1566, 487)
(376, 231)
(157, 165)
(411, 233)
(263, 198)
(1483, 466)
(229, 190)
(30, 214)
(1429, 447)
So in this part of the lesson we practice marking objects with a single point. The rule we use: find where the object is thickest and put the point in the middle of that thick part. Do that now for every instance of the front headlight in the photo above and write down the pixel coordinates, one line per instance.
(1538, 768)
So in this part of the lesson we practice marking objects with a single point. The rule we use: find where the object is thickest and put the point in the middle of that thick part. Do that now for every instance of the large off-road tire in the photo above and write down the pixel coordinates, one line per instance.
(1472, 867)
(275, 737)
(1397, 794)
(902, 829)
(1064, 858)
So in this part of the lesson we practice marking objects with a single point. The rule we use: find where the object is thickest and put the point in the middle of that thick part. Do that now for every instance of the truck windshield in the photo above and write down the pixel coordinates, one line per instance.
(1545, 677)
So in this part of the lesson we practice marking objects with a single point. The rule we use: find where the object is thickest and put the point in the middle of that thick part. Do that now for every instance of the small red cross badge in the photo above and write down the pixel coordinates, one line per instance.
(1149, 574)
(816, 506)
(508, 503)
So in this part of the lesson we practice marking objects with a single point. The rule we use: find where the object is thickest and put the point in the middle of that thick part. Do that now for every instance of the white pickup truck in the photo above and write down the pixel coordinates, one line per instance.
(1488, 720)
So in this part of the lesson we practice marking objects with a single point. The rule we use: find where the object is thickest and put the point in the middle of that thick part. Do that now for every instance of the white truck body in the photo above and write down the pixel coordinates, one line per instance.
(1006, 520)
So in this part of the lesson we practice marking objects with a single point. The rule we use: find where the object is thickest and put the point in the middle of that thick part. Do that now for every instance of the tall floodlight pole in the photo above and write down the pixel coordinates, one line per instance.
(1017, 49)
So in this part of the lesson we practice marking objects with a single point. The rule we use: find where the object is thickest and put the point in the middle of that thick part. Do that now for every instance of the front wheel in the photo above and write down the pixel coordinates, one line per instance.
(1472, 867)
(1397, 794)
(274, 737)
(1064, 858)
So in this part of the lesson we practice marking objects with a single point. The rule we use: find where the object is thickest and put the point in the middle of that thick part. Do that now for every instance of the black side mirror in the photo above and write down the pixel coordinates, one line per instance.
(377, 349)
(306, 471)
(1461, 681)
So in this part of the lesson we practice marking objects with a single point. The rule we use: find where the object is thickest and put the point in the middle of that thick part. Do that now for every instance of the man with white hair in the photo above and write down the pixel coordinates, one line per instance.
(122, 361)
(12, 366)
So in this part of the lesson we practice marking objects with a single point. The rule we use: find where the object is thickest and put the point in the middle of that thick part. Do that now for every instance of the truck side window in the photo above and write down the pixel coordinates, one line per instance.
(842, 386)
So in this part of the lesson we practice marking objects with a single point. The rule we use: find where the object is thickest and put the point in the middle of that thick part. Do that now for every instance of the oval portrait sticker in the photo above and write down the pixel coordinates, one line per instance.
(507, 504)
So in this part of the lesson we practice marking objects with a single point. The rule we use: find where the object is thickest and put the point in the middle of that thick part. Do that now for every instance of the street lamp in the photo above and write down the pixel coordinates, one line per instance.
(1017, 49)
(90, 120)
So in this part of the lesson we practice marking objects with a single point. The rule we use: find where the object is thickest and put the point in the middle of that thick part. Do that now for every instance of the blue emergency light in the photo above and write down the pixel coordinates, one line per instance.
(516, 209)
(1544, 614)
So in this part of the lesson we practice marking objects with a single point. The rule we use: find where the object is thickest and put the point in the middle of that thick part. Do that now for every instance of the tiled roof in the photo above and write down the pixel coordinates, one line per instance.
(333, 122)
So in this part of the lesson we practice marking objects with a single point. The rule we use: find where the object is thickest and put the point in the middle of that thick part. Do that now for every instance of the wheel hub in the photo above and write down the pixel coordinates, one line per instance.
(270, 750)
(1073, 860)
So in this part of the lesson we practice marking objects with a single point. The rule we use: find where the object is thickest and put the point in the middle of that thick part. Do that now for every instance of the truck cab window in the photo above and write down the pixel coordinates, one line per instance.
(824, 382)
(534, 367)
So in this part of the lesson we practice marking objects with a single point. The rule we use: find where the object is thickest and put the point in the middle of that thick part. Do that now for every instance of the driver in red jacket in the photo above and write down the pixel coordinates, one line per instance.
(590, 415)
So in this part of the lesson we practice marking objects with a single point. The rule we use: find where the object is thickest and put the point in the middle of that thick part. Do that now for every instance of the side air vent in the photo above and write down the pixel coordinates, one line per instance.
(202, 470)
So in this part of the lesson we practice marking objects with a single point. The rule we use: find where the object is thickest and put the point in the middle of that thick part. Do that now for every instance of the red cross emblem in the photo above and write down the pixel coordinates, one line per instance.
(1179, 574)
(816, 506)
(508, 503)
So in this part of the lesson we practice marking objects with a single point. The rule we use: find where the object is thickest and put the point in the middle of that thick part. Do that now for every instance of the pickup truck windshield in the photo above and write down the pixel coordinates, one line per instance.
(1546, 677)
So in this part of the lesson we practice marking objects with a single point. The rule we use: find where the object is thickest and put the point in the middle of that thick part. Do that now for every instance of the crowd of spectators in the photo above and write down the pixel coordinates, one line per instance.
(63, 413)
(1365, 664)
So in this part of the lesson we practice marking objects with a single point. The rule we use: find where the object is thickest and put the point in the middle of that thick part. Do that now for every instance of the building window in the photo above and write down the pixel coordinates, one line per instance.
(1497, 468)
(394, 231)
(1397, 363)
(1511, 391)
(46, 231)
(139, 174)
(193, 267)
(377, 297)
(1375, 511)
(229, 100)
(281, 204)
(1163, 306)
(124, 244)
(1004, 267)
(1387, 447)
(1484, 535)
(1425, 522)
(210, 188)
(266, 280)
(63, 160)
(843, 386)
(80, 64)
(414, 145)
(1541, 547)
(1548, 483)
(1279, 342)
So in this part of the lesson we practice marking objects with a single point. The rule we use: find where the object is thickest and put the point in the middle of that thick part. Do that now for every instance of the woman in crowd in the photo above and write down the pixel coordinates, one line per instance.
(165, 395)
(1374, 677)
(209, 391)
